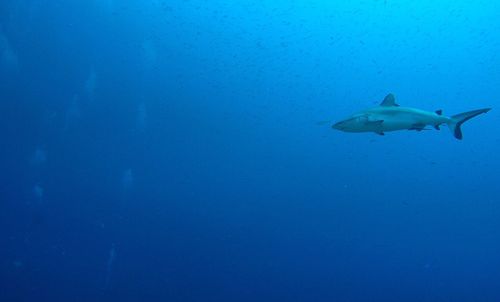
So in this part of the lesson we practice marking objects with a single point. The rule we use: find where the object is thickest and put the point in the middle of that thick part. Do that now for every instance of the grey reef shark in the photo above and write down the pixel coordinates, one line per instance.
(389, 116)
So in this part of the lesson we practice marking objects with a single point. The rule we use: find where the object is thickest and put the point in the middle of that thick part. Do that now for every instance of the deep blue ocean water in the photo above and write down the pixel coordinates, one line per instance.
(177, 151)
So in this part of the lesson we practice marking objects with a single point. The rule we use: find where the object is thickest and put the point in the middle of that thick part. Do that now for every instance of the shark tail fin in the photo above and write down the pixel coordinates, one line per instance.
(456, 121)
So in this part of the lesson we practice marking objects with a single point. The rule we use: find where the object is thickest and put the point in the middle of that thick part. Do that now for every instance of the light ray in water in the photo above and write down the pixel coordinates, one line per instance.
(39, 157)
(127, 179)
(109, 266)
(141, 116)
(90, 84)
(38, 192)
(8, 57)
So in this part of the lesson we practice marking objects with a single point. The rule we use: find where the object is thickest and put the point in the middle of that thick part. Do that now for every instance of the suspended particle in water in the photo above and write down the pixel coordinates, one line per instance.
(17, 264)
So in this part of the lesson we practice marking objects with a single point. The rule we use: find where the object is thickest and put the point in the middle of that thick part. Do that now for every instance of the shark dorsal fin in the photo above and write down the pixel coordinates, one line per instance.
(389, 101)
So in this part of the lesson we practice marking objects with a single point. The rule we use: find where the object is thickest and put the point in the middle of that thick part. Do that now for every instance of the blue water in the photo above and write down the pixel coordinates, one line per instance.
(175, 151)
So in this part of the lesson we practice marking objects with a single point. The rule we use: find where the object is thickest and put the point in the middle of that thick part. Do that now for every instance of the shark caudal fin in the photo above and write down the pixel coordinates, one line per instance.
(456, 121)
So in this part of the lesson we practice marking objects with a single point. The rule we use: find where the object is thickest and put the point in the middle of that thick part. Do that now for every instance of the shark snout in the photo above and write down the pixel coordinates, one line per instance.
(339, 125)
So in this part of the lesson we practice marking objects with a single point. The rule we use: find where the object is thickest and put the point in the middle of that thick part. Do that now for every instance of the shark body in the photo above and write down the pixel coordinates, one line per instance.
(389, 116)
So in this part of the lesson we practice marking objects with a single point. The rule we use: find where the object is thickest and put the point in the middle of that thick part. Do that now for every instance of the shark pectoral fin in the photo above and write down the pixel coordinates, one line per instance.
(389, 101)
(376, 125)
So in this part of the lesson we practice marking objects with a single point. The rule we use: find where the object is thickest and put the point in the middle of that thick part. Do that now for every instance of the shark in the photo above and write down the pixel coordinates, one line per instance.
(389, 116)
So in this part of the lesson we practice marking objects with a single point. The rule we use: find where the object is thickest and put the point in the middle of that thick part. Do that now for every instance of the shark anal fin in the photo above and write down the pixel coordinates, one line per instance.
(380, 132)
(418, 127)
(389, 101)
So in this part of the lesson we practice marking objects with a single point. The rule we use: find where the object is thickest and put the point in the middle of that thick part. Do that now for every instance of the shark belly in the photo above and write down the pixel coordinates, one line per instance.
(397, 124)
(403, 119)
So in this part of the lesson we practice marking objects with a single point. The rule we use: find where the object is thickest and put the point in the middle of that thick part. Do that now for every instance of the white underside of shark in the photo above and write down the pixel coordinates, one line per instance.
(389, 116)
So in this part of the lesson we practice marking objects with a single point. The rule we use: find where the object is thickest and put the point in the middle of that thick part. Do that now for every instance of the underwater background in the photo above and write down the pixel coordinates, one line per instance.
(178, 151)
